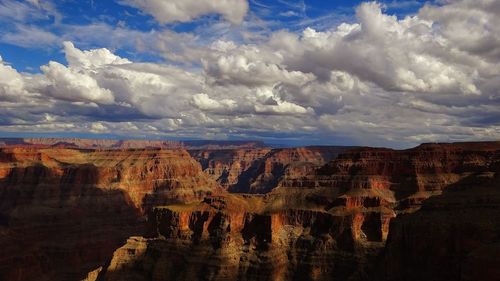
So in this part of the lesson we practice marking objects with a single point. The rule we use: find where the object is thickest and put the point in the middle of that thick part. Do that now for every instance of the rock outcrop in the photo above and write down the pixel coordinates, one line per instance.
(333, 225)
(227, 165)
(406, 176)
(228, 238)
(64, 211)
(454, 236)
(426, 213)
(261, 170)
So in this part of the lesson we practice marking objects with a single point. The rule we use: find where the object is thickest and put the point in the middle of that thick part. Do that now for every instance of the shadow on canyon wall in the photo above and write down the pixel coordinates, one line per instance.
(454, 236)
(58, 225)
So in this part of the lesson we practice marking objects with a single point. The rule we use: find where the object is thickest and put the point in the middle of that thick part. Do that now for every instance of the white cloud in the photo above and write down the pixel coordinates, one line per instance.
(11, 82)
(281, 108)
(154, 90)
(249, 65)
(471, 26)
(30, 37)
(380, 80)
(289, 14)
(98, 127)
(398, 55)
(67, 84)
(90, 59)
(28, 10)
(204, 102)
(187, 10)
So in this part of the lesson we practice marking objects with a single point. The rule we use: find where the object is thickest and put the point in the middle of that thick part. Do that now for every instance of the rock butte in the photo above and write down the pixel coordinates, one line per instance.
(249, 213)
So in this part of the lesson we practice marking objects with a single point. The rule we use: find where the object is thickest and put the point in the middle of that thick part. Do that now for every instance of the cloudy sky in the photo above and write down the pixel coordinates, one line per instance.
(392, 73)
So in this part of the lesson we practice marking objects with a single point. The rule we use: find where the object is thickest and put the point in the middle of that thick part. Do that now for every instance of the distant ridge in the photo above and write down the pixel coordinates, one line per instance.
(128, 144)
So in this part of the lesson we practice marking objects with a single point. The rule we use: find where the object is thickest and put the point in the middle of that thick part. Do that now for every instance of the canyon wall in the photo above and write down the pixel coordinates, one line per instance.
(63, 212)
(314, 213)
(261, 170)
(228, 238)
(453, 236)
(358, 217)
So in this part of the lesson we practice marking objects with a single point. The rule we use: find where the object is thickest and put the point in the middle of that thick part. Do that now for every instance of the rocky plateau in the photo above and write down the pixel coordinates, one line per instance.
(248, 212)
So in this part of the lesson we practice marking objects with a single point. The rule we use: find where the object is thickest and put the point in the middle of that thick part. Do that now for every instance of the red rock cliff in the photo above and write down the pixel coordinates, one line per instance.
(261, 170)
(333, 223)
(454, 236)
(226, 165)
(223, 238)
(63, 211)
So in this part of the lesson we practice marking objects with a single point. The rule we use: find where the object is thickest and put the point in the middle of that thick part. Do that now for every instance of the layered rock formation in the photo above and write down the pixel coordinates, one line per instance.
(227, 165)
(88, 143)
(261, 170)
(454, 236)
(127, 144)
(335, 226)
(63, 211)
(232, 238)
(407, 176)
(219, 144)
(427, 213)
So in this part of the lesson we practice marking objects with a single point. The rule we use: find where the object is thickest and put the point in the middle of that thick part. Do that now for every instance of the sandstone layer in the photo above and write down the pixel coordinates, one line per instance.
(64, 211)
(236, 238)
(261, 170)
(454, 236)
(356, 213)
(334, 223)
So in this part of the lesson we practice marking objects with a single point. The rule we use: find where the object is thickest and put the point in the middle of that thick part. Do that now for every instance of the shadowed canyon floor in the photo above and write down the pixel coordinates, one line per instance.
(249, 212)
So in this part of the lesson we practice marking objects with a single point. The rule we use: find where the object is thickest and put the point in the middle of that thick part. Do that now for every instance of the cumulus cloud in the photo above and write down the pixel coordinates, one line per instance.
(380, 80)
(205, 102)
(471, 26)
(11, 82)
(250, 66)
(187, 10)
(90, 59)
(398, 55)
(67, 84)
(281, 108)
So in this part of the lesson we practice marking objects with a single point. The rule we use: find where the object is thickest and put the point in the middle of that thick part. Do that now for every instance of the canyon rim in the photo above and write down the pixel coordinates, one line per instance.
(72, 209)
(249, 140)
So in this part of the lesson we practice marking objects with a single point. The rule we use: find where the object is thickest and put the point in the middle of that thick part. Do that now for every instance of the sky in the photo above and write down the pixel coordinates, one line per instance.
(387, 73)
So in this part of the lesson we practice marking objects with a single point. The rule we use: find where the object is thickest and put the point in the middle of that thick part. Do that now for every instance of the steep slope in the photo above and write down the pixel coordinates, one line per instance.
(409, 175)
(335, 226)
(227, 165)
(63, 211)
(261, 170)
(232, 238)
(454, 236)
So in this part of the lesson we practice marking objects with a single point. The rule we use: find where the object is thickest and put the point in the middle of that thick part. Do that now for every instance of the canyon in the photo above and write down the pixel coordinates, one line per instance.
(84, 210)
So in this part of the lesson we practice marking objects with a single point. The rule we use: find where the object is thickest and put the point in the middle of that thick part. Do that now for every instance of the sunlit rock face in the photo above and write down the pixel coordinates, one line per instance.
(262, 170)
(227, 165)
(230, 238)
(315, 213)
(318, 223)
(64, 211)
